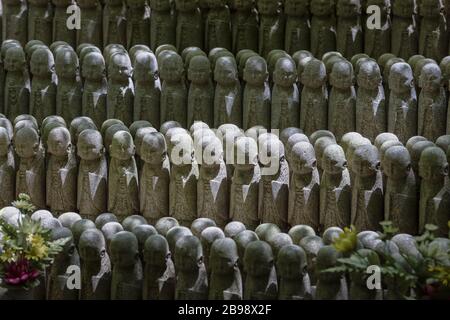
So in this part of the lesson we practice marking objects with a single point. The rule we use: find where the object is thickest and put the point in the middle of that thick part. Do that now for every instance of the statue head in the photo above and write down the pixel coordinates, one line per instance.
(15, 59)
(210, 152)
(333, 159)
(242, 239)
(430, 8)
(164, 224)
(225, 71)
(160, 5)
(92, 246)
(341, 76)
(297, 8)
(199, 70)
(79, 227)
(58, 142)
(383, 137)
(200, 224)
(124, 249)
(292, 262)
(322, 7)
(416, 152)
(285, 73)
(279, 241)
(319, 147)
(287, 133)
(298, 232)
(366, 161)
(331, 234)
(314, 74)
(430, 78)
(67, 64)
(433, 165)
(245, 154)
(413, 140)
(401, 79)
(26, 142)
(130, 222)
(145, 67)
(233, 228)
(255, 71)
(122, 146)
(292, 141)
(90, 145)
(348, 8)
(327, 257)
(207, 238)
(156, 251)
(139, 137)
(181, 149)
(142, 233)
(404, 8)
(68, 249)
(369, 75)
(93, 66)
(153, 149)
(397, 162)
(172, 68)
(109, 229)
(5, 142)
(258, 259)
(42, 63)
(175, 234)
(120, 67)
(166, 126)
(188, 254)
(303, 158)
(104, 218)
(223, 257)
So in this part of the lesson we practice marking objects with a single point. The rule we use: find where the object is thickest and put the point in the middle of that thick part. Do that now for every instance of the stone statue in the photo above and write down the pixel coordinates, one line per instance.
(271, 26)
(378, 41)
(127, 275)
(109, 230)
(245, 183)
(201, 91)
(314, 97)
(434, 196)
(162, 23)
(300, 231)
(159, 272)
(120, 97)
(69, 88)
(95, 88)
(367, 189)
(147, 88)
(274, 183)
(245, 24)
(400, 198)
(30, 177)
(78, 125)
(292, 270)
(92, 175)
(7, 170)
(217, 25)
(62, 172)
(189, 31)
(358, 281)
(371, 113)
(67, 219)
(114, 22)
(91, 23)
(40, 19)
(349, 32)
(342, 103)
(14, 22)
(174, 234)
(212, 185)
(95, 266)
(304, 187)
(227, 95)
(256, 96)
(138, 23)
(432, 106)
(58, 277)
(433, 37)
(183, 180)
(174, 94)
(323, 27)
(154, 179)
(226, 280)
(405, 37)
(123, 182)
(285, 96)
(43, 84)
(192, 280)
(330, 286)
(335, 189)
(261, 280)
(59, 27)
(298, 26)
(331, 234)
(402, 117)
(17, 83)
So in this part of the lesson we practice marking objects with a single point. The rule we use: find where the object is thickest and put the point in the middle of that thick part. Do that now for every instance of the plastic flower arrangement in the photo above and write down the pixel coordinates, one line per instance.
(26, 249)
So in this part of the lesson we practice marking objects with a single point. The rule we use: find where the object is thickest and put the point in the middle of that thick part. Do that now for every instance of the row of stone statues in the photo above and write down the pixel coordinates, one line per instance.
(227, 174)
(246, 90)
(134, 260)
(414, 27)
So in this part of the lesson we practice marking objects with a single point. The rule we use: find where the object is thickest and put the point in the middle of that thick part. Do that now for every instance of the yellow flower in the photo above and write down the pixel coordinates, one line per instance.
(38, 248)
(8, 255)
(347, 241)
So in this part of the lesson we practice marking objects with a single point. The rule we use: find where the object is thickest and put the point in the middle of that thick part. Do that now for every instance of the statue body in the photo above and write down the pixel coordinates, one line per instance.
(245, 24)
(7, 170)
(349, 32)
(189, 31)
(298, 26)
(271, 28)
(40, 19)
(15, 16)
(60, 32)
(218, 26)
(163, 23)
(405, 37)
(138, 23)
(323, 27)
(378, 41)
(91, 23)
(433, 36)
(114, 23)
(183, 193)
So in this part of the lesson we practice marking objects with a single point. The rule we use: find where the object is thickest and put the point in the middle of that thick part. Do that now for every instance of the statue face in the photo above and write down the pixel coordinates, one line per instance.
(314, 75)
(225, 73)
(42, 63)
(172, 69)
(267, 6)
(67, 66)
(430, 8)
(291, 264)
(342, 76)
(296, 7)
(430, 78)
(348, 8)
(90, 149)
(160, 5)
(255, 71)
(186, 5)
(94, 67)
(321, 7)
(58, 144)
(121, 149)
(432, 170)
(303, 158)
(285, 73)
(404, 8)
(188, 259)
(369, 77)
(92, 252)
(199, 71)
(5, 144)
(257, 265)
(151, 156)
(14, 59)
(396, 169)
(120, 68)
(123, 255)
(400, 81)
(224, 257)
(145, 70)
(364, 167)
(334, 164)
(26, 146)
